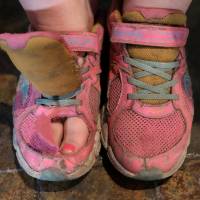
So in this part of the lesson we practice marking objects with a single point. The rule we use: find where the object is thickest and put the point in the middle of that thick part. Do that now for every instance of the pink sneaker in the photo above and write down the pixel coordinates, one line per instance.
(35, 150)
(148, 119)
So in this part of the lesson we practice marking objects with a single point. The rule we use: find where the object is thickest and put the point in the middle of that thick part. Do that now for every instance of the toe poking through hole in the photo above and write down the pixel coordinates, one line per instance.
(75, 135)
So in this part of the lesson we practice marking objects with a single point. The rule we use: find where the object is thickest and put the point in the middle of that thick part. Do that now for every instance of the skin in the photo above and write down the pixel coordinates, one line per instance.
(76, 15)
(171, 4)
(59, 15)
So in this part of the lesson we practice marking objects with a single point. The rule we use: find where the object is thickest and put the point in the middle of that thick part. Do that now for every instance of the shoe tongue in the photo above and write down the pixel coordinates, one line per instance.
(47, 64)
(159, 54)
(155, 16)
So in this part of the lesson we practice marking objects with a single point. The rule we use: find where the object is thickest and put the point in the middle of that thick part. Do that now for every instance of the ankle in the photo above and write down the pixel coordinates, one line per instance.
(63, 16)
(167, 4)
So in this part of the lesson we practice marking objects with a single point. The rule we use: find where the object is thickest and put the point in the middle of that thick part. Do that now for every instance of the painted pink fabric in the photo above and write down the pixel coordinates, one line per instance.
(84, 42)
(149, 35)
(32, 122)
(141, 136)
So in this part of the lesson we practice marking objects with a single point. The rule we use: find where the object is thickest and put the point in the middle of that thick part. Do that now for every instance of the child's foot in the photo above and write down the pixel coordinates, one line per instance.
(71, 134)
(56, 137)
(150, 106)
(57, 104)
(58, 16)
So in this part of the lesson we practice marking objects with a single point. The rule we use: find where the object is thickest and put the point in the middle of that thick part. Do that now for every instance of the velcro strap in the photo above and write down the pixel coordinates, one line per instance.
(86, 42)
(149, 35)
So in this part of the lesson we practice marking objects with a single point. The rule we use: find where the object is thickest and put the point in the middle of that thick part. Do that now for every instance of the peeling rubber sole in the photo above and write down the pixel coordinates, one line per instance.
(144, 175)
(53, 174)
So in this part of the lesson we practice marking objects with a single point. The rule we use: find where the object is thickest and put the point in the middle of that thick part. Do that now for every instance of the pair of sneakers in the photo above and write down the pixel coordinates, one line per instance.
(146, 124)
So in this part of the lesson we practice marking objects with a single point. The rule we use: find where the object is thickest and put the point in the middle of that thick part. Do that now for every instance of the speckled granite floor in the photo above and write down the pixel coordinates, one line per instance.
(103, 182)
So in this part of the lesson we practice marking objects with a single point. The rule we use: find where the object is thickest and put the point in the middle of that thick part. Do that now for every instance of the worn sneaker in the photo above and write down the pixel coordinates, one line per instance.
(33, 111)
(148, 119)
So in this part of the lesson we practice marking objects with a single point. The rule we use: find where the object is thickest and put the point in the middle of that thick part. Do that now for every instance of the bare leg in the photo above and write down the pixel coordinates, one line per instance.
(59, 15)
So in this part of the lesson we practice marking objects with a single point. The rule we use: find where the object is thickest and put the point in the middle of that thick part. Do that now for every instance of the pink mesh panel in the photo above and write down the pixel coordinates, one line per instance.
(114, 94)
(146, 137)
(35, 136)
(94, 101)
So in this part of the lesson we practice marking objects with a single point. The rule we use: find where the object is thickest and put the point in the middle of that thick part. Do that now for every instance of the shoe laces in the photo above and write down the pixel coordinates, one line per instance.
(67, 100)
(149, 68)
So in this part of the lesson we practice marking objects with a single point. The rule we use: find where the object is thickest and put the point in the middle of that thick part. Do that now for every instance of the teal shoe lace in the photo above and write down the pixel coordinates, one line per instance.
(67, 100)
(149, 68)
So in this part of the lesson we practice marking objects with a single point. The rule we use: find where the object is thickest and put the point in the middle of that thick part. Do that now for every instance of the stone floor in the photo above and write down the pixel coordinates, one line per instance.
(103, 182)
